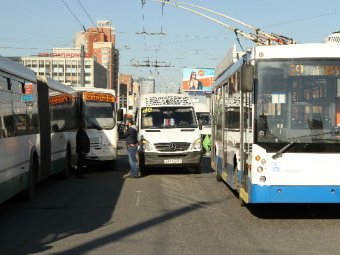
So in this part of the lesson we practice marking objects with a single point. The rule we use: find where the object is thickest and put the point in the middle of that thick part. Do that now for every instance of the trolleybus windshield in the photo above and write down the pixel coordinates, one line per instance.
(298, 98)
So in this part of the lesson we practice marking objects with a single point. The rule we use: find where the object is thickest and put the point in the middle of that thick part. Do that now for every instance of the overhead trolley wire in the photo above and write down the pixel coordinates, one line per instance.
(88, 15)
(72, 13)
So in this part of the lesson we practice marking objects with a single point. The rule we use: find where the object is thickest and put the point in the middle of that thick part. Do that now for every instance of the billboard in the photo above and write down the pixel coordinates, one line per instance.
(197, 79)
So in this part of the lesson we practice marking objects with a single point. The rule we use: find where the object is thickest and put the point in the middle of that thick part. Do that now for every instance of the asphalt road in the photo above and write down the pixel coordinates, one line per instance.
(169, 211)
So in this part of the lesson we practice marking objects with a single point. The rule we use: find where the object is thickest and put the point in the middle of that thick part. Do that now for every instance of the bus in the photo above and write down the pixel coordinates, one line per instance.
(19, 130)
(32, 147)
(276, 123)
(59, 117)
(99, 110)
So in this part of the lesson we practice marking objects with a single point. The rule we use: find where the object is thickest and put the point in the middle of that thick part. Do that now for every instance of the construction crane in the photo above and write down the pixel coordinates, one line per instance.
(259, 37)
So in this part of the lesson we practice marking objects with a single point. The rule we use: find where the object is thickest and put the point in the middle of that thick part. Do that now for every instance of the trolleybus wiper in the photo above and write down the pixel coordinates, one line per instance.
(279, 153)
(295, 139)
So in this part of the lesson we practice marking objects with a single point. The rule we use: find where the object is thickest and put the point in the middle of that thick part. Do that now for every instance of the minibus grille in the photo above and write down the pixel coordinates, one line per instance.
(168, 147)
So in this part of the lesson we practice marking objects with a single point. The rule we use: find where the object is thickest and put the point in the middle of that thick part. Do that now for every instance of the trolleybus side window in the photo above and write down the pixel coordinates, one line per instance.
(4, 104)
(19, 108)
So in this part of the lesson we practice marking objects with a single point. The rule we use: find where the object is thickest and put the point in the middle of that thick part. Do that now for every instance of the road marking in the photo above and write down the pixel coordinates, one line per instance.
(137, 198)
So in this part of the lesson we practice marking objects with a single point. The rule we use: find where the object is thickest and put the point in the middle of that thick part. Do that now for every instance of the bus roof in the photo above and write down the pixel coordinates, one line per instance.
(165, 99)
(11, 67)
(276, 52)
(56, 85)
(97, 90)
(310, 50)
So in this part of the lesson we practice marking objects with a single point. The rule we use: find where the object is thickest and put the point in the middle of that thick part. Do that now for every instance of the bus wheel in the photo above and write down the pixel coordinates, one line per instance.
(242, 203)
(28, 194)
(142, 169)
(236, 185)
(198, 169)
(218, 177)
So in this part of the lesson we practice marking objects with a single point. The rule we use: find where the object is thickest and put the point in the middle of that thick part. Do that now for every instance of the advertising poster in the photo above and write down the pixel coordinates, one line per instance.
(197, 79)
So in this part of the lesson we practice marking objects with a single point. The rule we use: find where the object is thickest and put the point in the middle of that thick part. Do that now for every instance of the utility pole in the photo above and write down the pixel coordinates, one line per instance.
(82, 66)
(118, 91)
(108, 83)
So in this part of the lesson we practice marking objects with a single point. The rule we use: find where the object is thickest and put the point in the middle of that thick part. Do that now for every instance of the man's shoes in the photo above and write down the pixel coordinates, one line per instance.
(131, 176)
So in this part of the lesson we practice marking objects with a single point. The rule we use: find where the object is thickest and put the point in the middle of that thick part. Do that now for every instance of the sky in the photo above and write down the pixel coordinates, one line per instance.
(29, 27)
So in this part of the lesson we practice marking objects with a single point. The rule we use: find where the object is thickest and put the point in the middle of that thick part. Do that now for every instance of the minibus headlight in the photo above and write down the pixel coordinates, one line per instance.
(146, 145)
(197, 144)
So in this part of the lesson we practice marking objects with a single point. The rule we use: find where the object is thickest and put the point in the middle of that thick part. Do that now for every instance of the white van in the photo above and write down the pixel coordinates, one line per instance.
(204, 118)
(169, 133)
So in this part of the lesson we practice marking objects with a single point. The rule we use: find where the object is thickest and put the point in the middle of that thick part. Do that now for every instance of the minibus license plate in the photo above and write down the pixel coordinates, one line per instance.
(172, 161)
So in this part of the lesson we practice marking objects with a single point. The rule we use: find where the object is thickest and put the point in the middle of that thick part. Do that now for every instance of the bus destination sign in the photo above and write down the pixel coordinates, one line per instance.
(314, 70)
(98, 97)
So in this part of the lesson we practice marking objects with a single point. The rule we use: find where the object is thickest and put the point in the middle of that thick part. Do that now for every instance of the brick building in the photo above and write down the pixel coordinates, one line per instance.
(99, 43)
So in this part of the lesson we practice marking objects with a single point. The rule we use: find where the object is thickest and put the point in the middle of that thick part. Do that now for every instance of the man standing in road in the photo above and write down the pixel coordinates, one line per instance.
(132, 146)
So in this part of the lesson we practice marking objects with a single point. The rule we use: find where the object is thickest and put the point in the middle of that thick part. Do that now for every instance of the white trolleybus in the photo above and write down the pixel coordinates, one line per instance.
(59, 117)
(100, 113)
(276, 123)
(30, 149)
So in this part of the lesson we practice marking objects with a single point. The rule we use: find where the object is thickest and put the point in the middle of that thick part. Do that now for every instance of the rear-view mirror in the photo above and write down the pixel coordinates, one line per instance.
(247, 77)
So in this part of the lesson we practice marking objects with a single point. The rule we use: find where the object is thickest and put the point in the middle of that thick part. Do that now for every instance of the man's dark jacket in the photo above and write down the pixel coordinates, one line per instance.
(82, 141)
(131, 135)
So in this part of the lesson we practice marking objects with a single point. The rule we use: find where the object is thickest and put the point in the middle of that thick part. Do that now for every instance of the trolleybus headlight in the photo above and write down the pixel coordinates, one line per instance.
(257, 158)
(263, 161)
(260, 169)
(263, 178)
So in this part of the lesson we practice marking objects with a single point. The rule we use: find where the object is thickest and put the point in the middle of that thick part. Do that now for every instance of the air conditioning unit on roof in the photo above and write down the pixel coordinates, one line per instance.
(333, 38)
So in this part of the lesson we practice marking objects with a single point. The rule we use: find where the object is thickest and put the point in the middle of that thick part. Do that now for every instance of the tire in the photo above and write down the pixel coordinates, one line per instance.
(110, 165)
(198, 169)
(242, 203)
(141, 165)
(218, 177)
(236, 183)
(142, 170)
(28, 194)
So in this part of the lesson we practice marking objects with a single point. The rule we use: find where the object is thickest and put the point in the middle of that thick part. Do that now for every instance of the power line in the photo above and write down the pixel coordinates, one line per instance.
(88, 15)
(69, 9)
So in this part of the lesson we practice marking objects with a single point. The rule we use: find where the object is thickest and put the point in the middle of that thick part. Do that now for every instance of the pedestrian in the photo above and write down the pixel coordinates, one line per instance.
(132, 146)
(82, 147)
(207, 144)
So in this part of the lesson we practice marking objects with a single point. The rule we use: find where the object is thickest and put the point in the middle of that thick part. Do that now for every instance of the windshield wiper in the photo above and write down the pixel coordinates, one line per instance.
(295, 139)
(279, 153)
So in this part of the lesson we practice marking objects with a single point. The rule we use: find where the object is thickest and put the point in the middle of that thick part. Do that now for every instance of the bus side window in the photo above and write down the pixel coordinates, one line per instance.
(20, 124)
(9, 125)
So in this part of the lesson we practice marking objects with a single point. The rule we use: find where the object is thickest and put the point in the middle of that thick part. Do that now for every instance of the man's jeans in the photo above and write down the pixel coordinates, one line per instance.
(133, 160)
